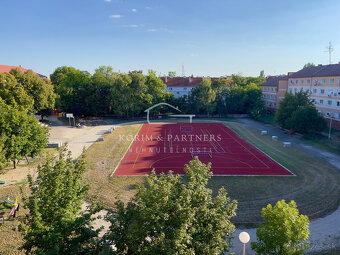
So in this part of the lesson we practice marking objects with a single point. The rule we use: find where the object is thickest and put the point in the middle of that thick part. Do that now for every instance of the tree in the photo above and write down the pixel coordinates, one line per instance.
(202, 97)
(172, 74)
(262, 74)
(156, 88)
(309, 64)
(72, 87)
(307, 120)
(288, 105)
(285, 231)
(56, 224)
(168, 216)
(2, 151)
(12, 93)
(23, 135)
(40, 90)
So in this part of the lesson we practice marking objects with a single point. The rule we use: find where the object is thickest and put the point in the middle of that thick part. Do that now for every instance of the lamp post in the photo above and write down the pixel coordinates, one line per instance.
(244, 238)
(330, 127)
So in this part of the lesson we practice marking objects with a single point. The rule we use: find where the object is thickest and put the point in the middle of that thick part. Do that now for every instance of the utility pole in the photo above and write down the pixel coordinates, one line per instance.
(183, 71)
(330, 49)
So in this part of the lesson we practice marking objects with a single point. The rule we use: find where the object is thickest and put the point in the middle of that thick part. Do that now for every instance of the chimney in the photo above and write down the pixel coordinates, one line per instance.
(166, 79)
(290, 73)
(20, 65)
(189, 79)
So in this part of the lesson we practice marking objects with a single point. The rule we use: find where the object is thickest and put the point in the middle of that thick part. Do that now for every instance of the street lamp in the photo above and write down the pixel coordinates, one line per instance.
(244, 238)
(330, 126)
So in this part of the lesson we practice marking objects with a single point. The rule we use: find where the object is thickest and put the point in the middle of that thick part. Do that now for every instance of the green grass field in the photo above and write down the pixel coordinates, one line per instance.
(315, 187)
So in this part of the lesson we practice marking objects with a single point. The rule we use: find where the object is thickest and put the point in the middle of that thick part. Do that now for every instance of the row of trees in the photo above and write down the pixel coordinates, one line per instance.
(166, 216)
(21, 96)
(107, 92)
(126, 95)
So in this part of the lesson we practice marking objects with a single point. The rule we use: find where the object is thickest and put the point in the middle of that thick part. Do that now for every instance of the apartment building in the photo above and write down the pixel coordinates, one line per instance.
(182, 86)
(322, 82)
(273, 91)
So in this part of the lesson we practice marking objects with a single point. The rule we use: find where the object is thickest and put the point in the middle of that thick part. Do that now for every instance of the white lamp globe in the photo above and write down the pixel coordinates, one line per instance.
(244, 237)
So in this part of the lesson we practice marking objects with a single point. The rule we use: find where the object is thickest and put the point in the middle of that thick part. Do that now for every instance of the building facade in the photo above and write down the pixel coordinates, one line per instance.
(273, 91)
(322, 82)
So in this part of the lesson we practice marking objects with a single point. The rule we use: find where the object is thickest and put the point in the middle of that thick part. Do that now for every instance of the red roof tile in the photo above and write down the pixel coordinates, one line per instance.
(7, 69)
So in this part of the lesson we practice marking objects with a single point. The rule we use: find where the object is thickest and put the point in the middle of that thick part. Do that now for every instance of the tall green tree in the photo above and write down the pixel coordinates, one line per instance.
(202, 97)
(23, 135)
(288, 105)
(12, 93)
(40, 90)
(308, 64)
(156, 88)
(169, 216)
(56, 224)
(285, 231)
(71, 85)
(262, 74)
(307, 120)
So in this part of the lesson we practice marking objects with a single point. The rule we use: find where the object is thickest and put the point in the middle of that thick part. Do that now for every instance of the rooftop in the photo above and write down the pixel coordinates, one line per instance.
(316, 71)
(274, 80)
(185, 81)
(7, 69)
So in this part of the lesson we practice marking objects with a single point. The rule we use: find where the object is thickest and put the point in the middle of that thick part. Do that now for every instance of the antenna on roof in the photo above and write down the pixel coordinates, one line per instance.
(183, 71)
(330, 49)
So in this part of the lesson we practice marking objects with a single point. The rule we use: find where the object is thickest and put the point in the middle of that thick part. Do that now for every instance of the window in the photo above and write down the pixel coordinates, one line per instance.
(315, 82)
(338, 103)
(177, 93)
(308, 81)
(314, 91)
(185, 88)
(290, 90)
(301, 81)
(339, 81)
(271, 89)
(323, 81)
(275, 89)
(329, 102)
(331, 81)
(321, 101)
(296, 81)
(295, 90)
(322, 91)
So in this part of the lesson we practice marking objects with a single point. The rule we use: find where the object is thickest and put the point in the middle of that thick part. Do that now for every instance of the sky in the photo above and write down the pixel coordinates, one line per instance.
(207, 37)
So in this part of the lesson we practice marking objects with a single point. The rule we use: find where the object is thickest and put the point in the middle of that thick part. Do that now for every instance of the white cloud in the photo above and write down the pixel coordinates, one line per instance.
(152, 30)
(134, 10)
(115, 16)
(132, 26)
(148, 8)
(193, 55)
(108, 1)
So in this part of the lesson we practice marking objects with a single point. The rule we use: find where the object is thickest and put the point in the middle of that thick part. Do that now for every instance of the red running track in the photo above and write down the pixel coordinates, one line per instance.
(167, 147)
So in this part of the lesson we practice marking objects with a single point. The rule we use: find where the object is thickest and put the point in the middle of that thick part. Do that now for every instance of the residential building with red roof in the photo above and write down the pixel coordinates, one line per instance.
(7, 69)
(182, 86)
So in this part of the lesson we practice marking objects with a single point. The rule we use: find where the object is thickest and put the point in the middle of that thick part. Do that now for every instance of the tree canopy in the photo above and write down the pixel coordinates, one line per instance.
(284, 232)
(21, 134)
(297, 112)
(169, 216)
(56, 224)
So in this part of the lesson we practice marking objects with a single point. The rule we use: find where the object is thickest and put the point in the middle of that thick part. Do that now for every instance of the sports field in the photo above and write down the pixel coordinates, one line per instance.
(170, 146)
